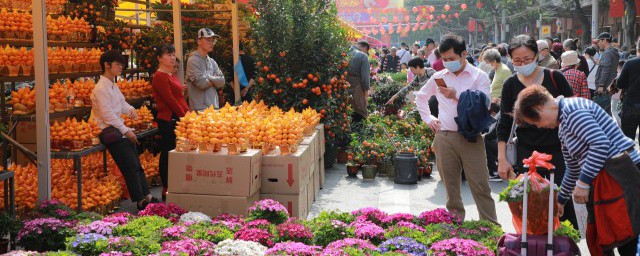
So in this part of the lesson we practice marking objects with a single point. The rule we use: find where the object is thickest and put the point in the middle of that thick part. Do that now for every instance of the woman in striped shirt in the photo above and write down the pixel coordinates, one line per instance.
(594, 149)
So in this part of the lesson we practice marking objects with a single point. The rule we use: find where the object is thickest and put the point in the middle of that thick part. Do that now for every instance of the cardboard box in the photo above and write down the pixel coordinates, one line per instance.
(20, 158)
(288, 174)
(295, 204)
(213, 205)
(313, 141)
(316, 183)
(26, 132)
(322, 173)
(311, 194)
(215, 173)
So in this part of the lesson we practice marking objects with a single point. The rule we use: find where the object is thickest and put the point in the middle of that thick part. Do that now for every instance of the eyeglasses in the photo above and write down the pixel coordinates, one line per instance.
(525, 61)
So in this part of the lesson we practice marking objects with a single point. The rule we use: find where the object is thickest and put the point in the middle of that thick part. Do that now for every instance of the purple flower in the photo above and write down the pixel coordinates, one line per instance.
(457, 246)
(374, 215)
(410, 225)
(192, 247)
(404, 244)
(173, 233)
(368, 231)
(38, 226)
(438, 216)
(114, 253)
(292, 231)
(99, 227)
(268, 205)
(120, 218)
(255, 235)
(336, 248)
(294, 248)
(397, 217)
(171, 212)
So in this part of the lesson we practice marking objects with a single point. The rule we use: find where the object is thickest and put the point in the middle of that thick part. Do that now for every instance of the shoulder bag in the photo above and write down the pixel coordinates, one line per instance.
(110, 135)
(512, 145)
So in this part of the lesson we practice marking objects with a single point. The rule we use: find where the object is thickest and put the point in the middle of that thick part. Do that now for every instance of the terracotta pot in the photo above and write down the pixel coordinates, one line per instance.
(343, 156)
(429, 169)
(369, 172)
(421, 170)
(352, 170)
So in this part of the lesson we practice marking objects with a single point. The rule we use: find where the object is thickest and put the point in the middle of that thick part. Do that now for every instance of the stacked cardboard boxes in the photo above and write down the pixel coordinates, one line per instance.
(214, 183)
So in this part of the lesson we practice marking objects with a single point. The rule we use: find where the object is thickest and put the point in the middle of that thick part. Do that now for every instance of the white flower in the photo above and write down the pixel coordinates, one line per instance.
(194, 217)
(239, 248)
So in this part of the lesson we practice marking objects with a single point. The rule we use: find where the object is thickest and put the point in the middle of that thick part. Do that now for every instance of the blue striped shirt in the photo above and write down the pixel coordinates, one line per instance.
(589, 137)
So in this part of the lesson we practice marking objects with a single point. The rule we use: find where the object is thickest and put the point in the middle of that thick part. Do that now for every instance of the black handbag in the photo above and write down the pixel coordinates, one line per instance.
(110, 135)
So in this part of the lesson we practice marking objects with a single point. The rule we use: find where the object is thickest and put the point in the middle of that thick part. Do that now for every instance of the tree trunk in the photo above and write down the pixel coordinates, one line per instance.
(630, 19)
(586, 26)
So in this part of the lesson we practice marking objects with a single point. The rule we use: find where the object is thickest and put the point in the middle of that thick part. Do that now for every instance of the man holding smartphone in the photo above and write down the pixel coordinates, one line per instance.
(453, 151)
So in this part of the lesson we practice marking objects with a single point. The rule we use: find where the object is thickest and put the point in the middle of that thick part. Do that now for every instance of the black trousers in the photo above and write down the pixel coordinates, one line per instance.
(491, 147)
(167, 143)
(629, 124)
(558, 162)
(125, 154)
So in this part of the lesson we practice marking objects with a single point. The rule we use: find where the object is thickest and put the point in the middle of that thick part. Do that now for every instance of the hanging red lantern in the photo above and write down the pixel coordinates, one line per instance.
(447, 7)
(431, 8)
(442, 16)
(418, 18)
(430, 16)
(416, 27)
(423, 27)
(463, 6)
(407, 28)
(391, 30)
(479, 5)
(383, 19)
(424, 10)
(374, 31)
(406, 18)
(456, 15)
(414, 9)
(382, 30)
(395, 18)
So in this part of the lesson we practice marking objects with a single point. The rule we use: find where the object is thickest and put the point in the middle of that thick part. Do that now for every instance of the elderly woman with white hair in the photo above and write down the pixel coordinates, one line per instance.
(492, 58)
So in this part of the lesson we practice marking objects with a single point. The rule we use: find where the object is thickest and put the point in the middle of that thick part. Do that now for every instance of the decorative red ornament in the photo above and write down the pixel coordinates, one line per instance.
(430, 26)
(418, 18)
(423, 27)
(424, 10)
(456, 15)
(442, 16)
(382, 30)
(579, 32)
(447, 7)
(431, 8)
(395, 18)
(449, 16)
(391, 30)
(407, 28)
(406, 18)
(416, 27)
(414, 9)
(374, 31)
(383, 19)
(430, 16)
(463, 6)
(479, 5)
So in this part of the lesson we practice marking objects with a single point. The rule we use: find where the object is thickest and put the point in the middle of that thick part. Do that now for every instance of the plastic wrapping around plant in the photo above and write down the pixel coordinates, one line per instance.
(538, 189)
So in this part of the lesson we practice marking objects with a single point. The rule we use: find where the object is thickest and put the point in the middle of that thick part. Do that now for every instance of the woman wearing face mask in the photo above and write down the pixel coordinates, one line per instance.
(524, 53)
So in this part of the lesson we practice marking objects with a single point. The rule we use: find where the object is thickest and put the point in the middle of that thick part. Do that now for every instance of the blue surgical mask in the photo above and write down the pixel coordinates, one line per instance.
(453, 66)
(527, 69)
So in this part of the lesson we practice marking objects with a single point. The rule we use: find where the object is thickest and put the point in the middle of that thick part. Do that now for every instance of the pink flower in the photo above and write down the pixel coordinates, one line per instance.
(292, 231)
(437, 216)
(294, 248)
(457, 246)
(368, 231)
(171, 212)
(120, 218)
(255, 235)
(336, 248)
(374, 215)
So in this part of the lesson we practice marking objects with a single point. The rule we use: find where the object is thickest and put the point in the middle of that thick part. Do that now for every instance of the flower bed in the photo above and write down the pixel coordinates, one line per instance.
(169, 230)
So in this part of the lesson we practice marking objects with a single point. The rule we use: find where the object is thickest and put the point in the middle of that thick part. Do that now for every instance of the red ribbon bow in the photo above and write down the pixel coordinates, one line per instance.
(538, 159)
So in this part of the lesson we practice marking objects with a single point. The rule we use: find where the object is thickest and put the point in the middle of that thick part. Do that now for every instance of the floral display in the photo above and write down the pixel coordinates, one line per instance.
(457, 246)
(169, 211)
(44, 234)
(294, 248)
(436, 216)
(194, 217)
(239, 247)
(270, 210)
(191, 247)
(404, 244)
(161, 231)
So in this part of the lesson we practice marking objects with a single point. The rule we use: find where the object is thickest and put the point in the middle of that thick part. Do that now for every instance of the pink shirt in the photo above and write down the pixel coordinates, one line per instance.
(471, 78)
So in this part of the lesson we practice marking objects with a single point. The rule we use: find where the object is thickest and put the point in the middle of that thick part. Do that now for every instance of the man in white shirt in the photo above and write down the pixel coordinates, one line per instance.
(454, 152)
(404, 54)
(108, 106)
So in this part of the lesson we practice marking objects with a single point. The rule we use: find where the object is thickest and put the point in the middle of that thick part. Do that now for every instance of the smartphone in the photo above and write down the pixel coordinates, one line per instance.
(440, 82)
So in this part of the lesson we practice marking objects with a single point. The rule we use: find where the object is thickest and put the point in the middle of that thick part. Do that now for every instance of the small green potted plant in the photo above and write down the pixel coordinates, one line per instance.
(9, 226)
(370, 157)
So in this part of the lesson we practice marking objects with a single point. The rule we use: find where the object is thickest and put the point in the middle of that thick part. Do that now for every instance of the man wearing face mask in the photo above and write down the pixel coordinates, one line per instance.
(454, 151)
(545, 59)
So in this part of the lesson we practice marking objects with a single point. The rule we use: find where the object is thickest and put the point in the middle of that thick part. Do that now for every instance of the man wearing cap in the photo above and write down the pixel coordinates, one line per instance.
(203, 76)
(608, 69)
(545, 59)
(404, 53)
(576, 78)
(430, 46)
